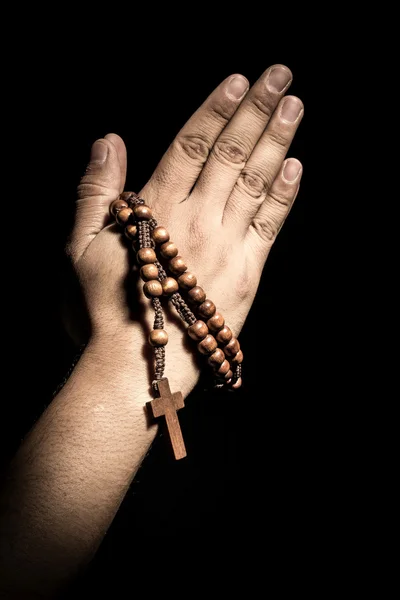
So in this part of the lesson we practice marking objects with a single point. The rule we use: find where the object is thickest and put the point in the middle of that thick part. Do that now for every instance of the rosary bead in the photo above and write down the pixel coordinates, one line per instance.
(177, 265)
(158, 337)
(208, 345)
(217, 358)
(152, 288)
(142, 212)
(127, 196)
(216, 322)
(169, 286)
(149, 272)
(187, 280)
(160, 235)
(131, 231)
(224, 368)
(207, 309)
(238, 358)
(169, 250)
(228, 375)
(232, 348)
(146, 256)
(238, 384)
(123, 216)
(117, 205)
(198, 330)
(197, 295)
(224, 336)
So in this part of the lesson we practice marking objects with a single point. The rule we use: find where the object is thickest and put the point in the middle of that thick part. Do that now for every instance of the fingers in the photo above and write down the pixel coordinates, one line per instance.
(102, 183)
(273, 211)
(180, 166)
(237, 141)
(260, 171)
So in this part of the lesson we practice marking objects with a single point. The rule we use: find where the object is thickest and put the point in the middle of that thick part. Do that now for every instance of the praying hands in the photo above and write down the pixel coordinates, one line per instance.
(223, 190)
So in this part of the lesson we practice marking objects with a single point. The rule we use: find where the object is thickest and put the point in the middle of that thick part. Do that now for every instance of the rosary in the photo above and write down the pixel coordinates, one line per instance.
(206, 326)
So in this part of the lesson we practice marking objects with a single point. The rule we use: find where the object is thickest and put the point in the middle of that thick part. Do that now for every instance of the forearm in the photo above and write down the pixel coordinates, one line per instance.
(72, 471)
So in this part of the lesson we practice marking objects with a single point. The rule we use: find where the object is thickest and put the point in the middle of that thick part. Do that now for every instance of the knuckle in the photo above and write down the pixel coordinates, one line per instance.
(230, 151)
(262, 105)
(278, 138)
(194, 147)
(90, 186)
(266, 229)
(222, 110)
(280, 199)
(253, 182)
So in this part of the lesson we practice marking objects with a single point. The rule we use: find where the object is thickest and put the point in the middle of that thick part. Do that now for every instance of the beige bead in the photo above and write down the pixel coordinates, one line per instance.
(177, 265)
(123, 216)
(232, 348)
(198, 331)
(160, 235)
(216, 359)
(224, 368)
(196, 295)
(143, 212)
(224, 336)
(158, 337)
(169, 286)
(152, 288)
(208, 345)
(238, 358)
(187, 280)
(117, 205)
(216, 322)
(207, 309)
(168, 250)
(238, 384)
(131, 231)
(146, 256)
(149, 272)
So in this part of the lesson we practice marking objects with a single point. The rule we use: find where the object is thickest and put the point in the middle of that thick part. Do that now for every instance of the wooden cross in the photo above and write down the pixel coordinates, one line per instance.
(166, 405)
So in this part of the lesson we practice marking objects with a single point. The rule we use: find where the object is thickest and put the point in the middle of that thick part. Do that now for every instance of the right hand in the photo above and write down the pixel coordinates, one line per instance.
(223, 190)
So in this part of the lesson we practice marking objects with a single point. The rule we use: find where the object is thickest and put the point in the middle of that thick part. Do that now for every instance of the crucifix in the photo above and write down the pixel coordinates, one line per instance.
(167, 405)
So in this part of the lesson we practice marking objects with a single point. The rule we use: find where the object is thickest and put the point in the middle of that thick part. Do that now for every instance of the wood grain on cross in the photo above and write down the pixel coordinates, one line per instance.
(167, 405)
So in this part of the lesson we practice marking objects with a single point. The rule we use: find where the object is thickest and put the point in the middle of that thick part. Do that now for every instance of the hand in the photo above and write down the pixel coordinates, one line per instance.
(223, 190)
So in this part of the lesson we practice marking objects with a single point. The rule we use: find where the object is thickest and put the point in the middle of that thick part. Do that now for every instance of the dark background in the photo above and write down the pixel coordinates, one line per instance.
(254, 470)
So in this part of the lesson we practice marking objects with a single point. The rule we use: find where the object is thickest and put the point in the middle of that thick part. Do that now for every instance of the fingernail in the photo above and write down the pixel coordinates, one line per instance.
(291, 169)
(237, 86)
(291, 108)
(278, 79)
(99, 152)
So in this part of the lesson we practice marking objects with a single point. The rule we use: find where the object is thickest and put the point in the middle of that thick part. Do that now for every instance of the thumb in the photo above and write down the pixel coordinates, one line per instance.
(102, 183)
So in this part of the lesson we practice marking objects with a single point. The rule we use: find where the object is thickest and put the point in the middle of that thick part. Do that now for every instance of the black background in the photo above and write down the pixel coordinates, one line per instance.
(254, 472)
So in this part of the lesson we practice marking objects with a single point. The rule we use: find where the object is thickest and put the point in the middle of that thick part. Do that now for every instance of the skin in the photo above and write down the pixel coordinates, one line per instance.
(223, 190)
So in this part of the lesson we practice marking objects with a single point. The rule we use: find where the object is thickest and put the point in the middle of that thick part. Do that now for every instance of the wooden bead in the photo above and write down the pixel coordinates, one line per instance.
(216, 322)
(160, 235)
(169, 250)
(177, 265)
(232, 348)
(217, 358)
(238, 358)
(208, 345)
(142, 212)
(187, 280)
(146, 256)
(123, 216)
(117, 205)
(198, 330)
(152, 288)
(128, 196)
(224, 368)
(196, 295)
(158, 337)
(131, 231)
(207, 309)
(149, 272)
(224, 336)
(238, 384)
(228, 375)
(169, 286)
